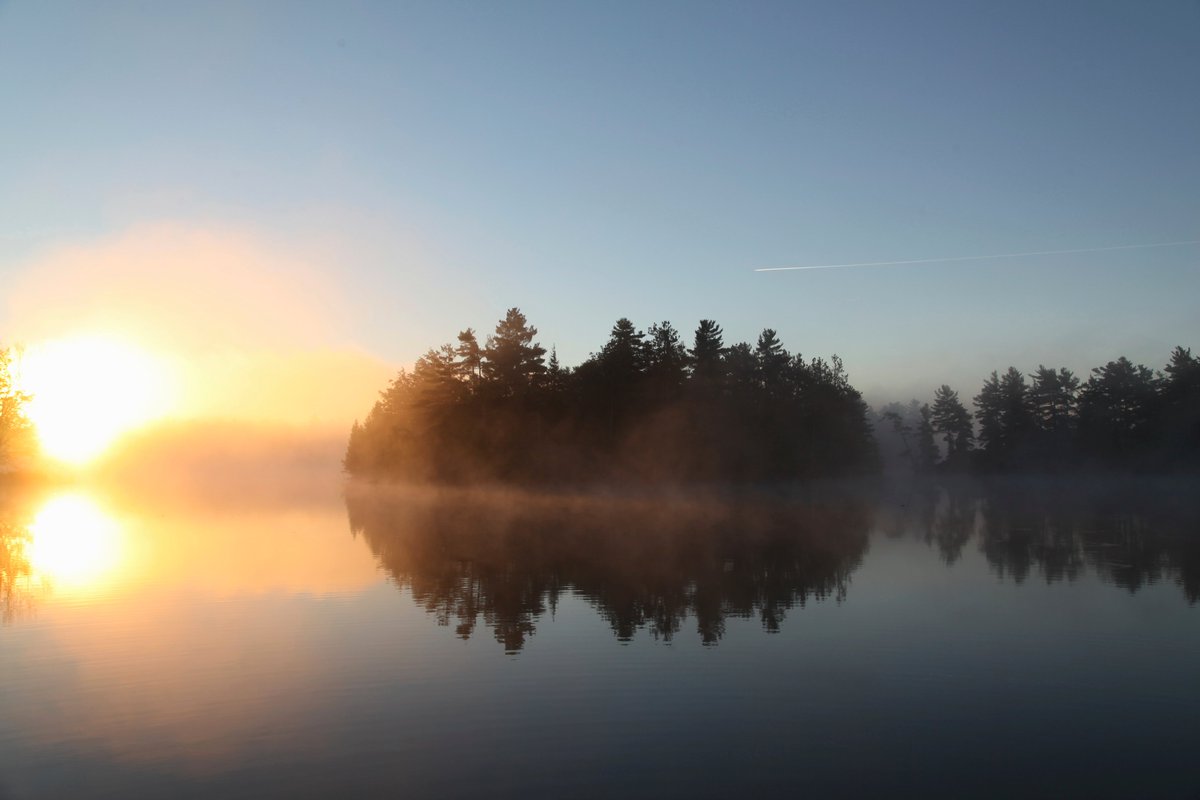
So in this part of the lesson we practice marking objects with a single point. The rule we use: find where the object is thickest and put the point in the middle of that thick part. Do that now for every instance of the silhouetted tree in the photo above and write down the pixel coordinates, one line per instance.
(512, 359)
(1053, 398)
(666, 361)
(632, 410)
(708, 352)
(1118, 411)
(772, 362)
(989, 405)
(1181, 407)
(953, 422)
(1006, 421)
(470, 356)
(742, 368)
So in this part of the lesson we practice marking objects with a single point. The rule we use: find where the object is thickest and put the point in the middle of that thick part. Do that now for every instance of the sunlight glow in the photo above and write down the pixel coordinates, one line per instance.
(75, 544)
(89, 389)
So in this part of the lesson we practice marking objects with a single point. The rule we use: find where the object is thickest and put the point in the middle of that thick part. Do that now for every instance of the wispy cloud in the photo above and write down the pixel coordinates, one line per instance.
(983, 258)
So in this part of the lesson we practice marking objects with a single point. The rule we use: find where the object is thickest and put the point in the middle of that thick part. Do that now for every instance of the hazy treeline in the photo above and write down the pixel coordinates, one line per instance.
(645, 407)
(1124, 416)
(505, 559)
(17, 437)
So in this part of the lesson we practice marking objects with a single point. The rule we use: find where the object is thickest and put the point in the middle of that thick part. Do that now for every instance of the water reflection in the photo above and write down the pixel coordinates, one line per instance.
(1130, 534)
(62, 544)
(506, 560)
(82, 543)
(15, 569)
(75, 544)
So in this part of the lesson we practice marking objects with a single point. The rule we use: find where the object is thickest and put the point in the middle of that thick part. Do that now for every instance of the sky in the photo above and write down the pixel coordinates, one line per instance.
(337, 187)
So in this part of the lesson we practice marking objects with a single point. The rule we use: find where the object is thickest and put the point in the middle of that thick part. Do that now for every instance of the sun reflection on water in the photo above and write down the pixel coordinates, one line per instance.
(75, 544)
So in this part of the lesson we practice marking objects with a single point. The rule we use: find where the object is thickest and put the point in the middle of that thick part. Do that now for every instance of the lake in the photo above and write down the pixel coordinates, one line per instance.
(1022, 638)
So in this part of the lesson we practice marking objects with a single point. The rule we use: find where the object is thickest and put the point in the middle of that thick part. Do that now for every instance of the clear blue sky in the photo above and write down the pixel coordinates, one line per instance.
(587, 161)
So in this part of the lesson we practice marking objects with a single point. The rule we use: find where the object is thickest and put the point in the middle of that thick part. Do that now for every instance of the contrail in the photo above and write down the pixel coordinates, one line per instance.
(984, 258)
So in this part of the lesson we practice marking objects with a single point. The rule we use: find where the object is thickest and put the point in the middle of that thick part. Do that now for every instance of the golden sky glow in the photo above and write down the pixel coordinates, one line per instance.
(89, 389)
(183, 322)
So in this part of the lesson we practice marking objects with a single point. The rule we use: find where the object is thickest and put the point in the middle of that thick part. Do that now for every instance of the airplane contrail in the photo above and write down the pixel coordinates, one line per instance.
(983, 258)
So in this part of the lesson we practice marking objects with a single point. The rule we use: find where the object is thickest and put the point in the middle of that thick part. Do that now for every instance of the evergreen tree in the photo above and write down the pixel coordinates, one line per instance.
(623, 357)
(470, 356)
(741, 368)
(989, 404)
(512, 359)
(1118, 411)
(667, 360)
(1018, 418)
(1052, 400)
(953, 422)
(708, 351)
(772, 361)
(1181, 402)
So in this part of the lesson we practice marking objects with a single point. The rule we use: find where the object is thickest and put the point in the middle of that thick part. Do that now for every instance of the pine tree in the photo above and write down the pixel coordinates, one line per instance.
(708, 351)
(512, 359)
(952, 420)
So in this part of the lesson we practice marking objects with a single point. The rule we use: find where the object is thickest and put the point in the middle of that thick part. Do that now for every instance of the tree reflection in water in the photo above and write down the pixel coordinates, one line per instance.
(1131, 533)
(506, 559)
(16, 571)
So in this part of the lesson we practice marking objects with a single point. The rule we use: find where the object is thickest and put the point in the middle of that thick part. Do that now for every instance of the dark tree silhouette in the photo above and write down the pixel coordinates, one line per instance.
(470, 357)
(1053, 402)
(772, 362)
(952, 420)
(1181, 408)
(641, 408)
(1119, 412)
(1125, 417)
(514, 360)
(1006, 421)
(666, 362)
(708, 352)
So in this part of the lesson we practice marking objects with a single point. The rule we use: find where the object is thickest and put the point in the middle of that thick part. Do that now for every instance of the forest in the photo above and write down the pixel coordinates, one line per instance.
(1125, 417)
(647, 407)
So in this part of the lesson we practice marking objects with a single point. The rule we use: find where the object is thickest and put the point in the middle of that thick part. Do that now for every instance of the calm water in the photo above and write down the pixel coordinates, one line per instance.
(1021, 640)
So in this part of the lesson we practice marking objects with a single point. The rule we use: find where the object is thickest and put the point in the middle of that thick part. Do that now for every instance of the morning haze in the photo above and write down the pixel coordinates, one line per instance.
(603, 400)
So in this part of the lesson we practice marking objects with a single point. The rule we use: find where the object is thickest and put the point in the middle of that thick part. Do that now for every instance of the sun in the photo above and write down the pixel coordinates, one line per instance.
(89, 389)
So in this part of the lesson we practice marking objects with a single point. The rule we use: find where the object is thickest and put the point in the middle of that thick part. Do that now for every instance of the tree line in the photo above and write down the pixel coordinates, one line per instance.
(1125, 416)
(645, 406)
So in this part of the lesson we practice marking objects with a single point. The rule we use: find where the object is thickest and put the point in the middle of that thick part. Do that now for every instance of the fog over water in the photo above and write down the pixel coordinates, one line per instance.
(249, 639)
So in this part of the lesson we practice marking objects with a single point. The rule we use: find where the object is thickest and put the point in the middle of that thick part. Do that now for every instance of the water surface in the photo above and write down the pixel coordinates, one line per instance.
(1021, 639)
